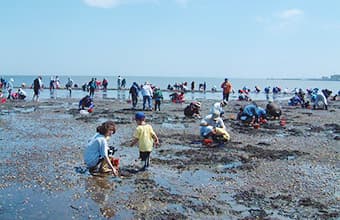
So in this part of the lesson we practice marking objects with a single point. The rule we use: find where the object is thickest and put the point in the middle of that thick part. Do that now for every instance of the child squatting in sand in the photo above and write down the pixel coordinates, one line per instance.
(145, 137)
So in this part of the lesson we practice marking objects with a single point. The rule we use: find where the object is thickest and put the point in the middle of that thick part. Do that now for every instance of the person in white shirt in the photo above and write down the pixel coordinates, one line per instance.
(147, 92)
(212, 126)
(9, 87)
(218, 106)
(21, 93)
(69, 85)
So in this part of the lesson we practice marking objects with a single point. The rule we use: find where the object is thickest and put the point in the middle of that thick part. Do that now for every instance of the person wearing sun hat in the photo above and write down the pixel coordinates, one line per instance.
(212, 126)
(193, 110)
(218, 106)
(146, 138)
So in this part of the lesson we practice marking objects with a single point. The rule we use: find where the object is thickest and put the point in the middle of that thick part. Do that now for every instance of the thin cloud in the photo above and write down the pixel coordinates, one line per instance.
(103, 3)
(117, 3)
(290, 18)
(182, 3)
(290, 14)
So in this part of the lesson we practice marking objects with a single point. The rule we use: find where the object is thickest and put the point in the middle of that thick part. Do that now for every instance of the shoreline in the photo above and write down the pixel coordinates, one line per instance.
(271, 172)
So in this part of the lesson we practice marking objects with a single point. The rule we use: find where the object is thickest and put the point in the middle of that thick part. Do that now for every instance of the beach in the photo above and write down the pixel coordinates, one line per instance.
(274, 172)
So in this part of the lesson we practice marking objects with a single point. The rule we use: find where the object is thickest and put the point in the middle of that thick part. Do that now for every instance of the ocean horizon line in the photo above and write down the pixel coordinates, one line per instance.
(160, 76)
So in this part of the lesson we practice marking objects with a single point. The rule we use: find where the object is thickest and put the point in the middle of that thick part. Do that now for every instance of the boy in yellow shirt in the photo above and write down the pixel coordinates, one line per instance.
(145, 137)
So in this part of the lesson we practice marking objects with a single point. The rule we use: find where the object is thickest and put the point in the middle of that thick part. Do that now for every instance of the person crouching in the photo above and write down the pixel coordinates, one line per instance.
(273, 110)
(212, 126)
(96, 155)
(193, 110)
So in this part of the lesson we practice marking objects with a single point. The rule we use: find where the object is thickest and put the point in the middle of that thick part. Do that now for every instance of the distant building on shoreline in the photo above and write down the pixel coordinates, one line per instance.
(335, 77)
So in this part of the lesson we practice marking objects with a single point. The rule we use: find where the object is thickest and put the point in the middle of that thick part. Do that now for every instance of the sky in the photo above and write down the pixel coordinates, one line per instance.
(217, 38)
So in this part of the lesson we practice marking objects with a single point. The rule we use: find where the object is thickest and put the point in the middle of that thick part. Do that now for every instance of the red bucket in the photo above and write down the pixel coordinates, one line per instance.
(115, 161)
(256, 126)
(207, 141)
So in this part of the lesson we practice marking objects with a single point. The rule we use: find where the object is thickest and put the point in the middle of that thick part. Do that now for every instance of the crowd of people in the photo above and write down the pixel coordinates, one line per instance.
(211, 127)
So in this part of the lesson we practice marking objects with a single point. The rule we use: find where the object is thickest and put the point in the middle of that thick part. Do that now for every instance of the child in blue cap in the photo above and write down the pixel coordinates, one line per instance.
(146, 139)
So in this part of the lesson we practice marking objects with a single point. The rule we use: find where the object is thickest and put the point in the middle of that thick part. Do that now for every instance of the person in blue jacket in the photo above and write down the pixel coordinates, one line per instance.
(251, 114)
(86, 102)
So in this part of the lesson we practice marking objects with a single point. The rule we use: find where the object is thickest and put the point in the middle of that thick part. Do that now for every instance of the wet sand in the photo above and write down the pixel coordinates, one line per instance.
(273, 172)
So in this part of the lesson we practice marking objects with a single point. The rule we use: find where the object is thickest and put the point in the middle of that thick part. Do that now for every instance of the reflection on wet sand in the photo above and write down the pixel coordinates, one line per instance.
(100, 190)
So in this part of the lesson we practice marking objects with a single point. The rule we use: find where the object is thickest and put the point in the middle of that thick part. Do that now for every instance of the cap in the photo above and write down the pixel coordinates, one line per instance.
(139, 116)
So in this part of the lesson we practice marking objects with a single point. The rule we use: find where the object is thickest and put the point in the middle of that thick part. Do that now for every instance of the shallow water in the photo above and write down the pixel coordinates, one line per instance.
(173, 126)
(123, 95)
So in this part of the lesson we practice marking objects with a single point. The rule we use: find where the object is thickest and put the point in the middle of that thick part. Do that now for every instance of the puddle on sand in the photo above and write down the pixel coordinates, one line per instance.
(102, 120)
(19, 202)
(25, 110)
(173, 126)
(230, 165)
(291, 157)
(281, 135)
(183, 182)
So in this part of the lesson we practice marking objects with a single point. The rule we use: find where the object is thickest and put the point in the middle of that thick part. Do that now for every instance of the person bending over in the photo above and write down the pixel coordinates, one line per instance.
(86, 102)
(273, 110)
(96, 155)
(193, 110)
(251, 114)
(212, 126)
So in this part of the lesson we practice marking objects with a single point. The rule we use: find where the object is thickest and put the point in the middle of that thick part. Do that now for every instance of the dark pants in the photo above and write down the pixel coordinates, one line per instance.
(158, 105)
(145, 156)
(9, 93)
(92, 92)
(134, 100)
(226, 96)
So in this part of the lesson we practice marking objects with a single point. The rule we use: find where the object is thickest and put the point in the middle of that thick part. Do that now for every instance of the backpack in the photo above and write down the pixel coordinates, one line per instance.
(133, 90)
(158, 95)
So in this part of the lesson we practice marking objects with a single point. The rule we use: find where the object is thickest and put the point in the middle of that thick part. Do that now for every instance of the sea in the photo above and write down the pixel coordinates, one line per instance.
(163, 81)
